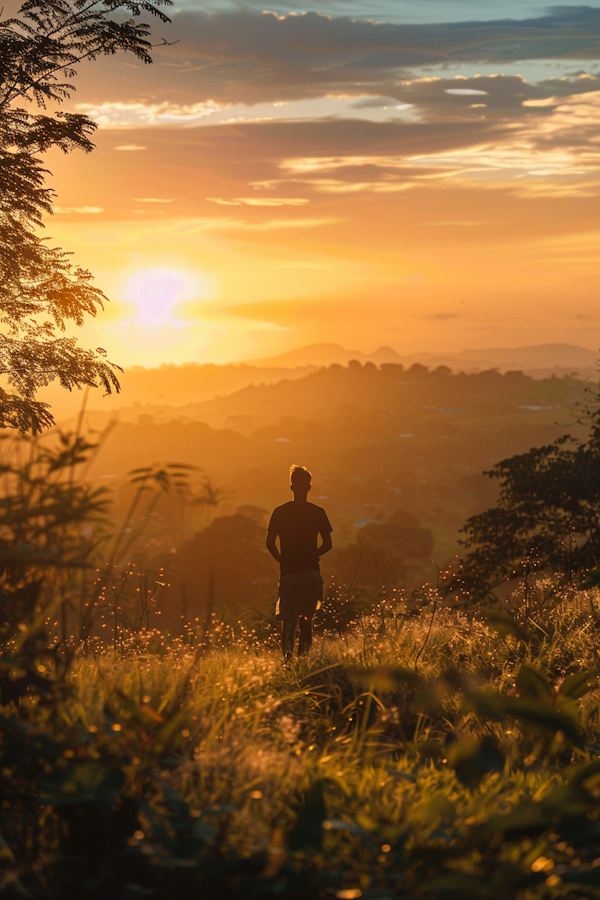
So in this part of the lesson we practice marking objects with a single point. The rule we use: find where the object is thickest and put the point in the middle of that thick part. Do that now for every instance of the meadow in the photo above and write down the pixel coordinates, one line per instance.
(416, 752)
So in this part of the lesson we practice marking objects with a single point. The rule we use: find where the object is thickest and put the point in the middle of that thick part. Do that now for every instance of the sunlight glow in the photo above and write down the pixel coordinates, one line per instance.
(155, 293)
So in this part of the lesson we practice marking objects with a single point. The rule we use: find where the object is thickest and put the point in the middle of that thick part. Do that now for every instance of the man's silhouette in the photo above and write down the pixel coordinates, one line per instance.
(298, 525)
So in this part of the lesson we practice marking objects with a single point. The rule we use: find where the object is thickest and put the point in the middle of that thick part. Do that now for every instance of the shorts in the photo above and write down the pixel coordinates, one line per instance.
(299, 595)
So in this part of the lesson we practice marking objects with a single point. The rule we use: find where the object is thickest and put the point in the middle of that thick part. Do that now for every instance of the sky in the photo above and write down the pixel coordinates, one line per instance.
(423, 174)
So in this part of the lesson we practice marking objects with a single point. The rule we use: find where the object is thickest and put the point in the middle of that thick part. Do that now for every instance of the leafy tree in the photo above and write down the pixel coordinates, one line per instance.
(396, 551)
(211, 497)
(41, 291)
(225, 564)
(547, 516)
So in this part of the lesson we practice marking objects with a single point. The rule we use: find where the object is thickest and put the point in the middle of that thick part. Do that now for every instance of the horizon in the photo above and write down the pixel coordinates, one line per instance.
(263, 362)
(182, 391)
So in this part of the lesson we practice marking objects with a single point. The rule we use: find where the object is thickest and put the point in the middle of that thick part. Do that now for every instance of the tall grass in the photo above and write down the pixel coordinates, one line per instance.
(346, 773)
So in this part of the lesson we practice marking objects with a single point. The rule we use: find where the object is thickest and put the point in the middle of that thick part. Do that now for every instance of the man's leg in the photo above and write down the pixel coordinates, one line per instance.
(288, 631)
(305, 641)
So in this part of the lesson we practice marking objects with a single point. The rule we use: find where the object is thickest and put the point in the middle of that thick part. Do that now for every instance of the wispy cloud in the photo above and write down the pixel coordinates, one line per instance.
(85, 210)
(192, 226)
(442, 316)
(122, 115)
(260, 201)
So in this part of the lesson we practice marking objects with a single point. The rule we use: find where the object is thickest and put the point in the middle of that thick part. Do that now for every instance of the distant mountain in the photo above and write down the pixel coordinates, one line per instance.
(538, 360)
(325, 355)
(540, 356)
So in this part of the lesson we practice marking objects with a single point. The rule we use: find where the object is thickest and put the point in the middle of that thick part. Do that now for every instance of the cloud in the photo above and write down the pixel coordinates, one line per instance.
(246, 57)
(260, 201)
(501, 97)
(457, 223)
(318, 165)
(373, 103)
(276, 224)
(130, 147)
(152, 200)
(119, 114)
(192, 226)
(442, 316)
(553, 151)
(85, 210)
(468, 92)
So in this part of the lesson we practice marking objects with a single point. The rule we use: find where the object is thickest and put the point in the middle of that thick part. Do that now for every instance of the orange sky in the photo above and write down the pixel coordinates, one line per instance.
(277, 180)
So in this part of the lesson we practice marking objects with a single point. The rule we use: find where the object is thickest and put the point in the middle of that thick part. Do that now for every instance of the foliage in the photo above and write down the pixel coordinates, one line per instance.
(394, 553)
(419, 753)
(224, 564)
(40, 290)
(172, 772)
(546, 519)
(211, 496)
(50, 525)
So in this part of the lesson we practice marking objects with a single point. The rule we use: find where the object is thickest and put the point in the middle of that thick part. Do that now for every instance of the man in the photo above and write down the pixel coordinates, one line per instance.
(298, 525)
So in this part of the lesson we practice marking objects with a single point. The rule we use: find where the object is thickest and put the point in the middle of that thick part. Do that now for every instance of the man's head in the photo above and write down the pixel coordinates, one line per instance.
(300, 479)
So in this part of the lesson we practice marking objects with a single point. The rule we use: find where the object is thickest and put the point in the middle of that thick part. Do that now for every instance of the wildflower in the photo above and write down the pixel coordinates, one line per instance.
(289, 727)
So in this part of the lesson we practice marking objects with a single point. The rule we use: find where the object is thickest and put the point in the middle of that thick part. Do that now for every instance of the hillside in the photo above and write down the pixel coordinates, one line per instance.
(169, 385)
(378, 440)
(179, 385)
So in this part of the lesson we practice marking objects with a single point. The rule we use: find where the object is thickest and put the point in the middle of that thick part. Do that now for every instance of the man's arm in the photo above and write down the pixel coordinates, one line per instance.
(272, 546)
(326, 543)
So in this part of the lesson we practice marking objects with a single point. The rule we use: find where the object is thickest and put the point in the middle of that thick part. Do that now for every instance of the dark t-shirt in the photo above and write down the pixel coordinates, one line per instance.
(298, 526)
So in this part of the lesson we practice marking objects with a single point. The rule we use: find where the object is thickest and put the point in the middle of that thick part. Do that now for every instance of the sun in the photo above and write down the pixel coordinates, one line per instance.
(155, 293)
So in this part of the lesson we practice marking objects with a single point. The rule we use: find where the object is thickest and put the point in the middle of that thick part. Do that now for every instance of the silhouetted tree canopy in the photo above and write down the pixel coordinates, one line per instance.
(40, 289)
(389, 553)
(547, 517)
(231, 551)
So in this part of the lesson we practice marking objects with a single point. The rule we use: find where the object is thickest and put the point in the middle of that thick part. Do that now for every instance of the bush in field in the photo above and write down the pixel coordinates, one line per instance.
(224, 565)
(394, 553)
(547, 518)
(50, 526)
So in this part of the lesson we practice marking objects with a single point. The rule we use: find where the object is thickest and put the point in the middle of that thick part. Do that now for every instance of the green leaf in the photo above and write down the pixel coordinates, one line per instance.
(540, 715)
(430, 749)
(526, 819)
(166, 732)
(591, 579)
(472, 760)
(386, 679)
(487, 704)
(500, 621)
(532, 685)
(578, 684)
(437, 810)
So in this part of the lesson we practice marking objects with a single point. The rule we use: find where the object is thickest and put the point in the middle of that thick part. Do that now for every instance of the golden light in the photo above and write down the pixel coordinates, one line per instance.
(155, 293)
